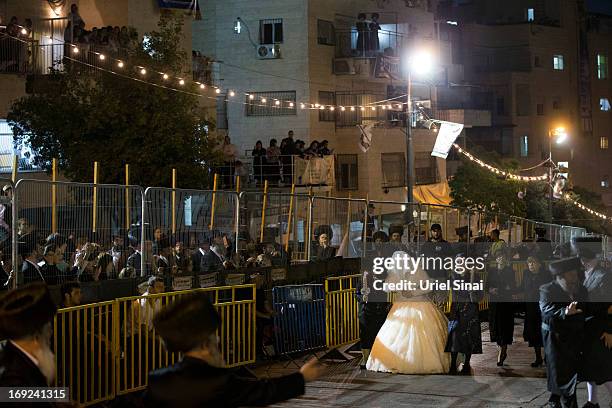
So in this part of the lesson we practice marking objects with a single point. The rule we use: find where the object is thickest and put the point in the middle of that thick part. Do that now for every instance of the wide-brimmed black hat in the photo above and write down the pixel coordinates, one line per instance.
(380, 235)
(24, 311)
(187, 323)
(393, 229)
(324, 229)
(564, 265)
(586, 247)
(435, 227)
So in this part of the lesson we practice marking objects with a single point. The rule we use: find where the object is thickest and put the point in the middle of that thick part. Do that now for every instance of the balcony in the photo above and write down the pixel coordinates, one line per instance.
(469, 117)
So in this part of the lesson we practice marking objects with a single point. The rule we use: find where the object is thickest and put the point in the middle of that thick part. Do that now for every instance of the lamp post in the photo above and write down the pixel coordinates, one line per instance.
(561, 135)
(421, 62)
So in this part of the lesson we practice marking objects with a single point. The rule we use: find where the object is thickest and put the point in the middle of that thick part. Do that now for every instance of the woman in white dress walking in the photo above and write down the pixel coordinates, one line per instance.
(412, 339)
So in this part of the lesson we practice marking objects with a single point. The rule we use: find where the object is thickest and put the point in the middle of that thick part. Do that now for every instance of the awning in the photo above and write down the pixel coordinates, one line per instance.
(438, 193)
(179, 4)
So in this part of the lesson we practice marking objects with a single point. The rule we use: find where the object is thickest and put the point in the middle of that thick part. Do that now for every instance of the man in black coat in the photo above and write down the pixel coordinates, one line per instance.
(26, 359)
(597, 355)
(189, 326)
(562, 306)
(437, 247)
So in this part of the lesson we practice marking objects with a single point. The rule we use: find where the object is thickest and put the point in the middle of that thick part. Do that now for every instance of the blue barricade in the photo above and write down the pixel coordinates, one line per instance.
(299, 318)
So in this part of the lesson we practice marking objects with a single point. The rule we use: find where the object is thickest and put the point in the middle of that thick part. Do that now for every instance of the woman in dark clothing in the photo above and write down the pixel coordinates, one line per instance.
(464, 334)
(259, 161)
(374, 44)
(534, 277)
(323, 235)
(313, 150)
(362, 34)
(501, 287)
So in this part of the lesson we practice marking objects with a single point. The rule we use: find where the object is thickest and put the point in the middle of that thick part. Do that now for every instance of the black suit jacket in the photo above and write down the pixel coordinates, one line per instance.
(193, 383)
(17, 370)
(30, 273)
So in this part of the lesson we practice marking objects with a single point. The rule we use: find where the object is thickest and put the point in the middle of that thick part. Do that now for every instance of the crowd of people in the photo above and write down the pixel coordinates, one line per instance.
(274, 163)
(15, 54)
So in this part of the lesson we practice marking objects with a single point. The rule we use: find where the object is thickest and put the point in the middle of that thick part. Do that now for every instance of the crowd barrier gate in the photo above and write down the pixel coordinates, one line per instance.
(341, 310)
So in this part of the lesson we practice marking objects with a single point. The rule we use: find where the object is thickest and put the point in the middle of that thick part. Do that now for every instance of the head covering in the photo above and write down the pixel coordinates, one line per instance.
(393, 229)
(380, 235)
(462, 230)
(24, 311)
(586, 247)
(564, 265)
(324, 229)
(187, 322)
(435, 227)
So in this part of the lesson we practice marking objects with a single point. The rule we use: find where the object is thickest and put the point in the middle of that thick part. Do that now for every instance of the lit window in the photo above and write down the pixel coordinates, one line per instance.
(524, 146)
(604, 104)
(603, 142)
(602, 66)
(530, 14)
(605, 182)
(558, 62)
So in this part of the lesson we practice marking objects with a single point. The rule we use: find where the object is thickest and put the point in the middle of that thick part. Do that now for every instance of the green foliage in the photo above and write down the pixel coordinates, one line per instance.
(90, 115)
(479, 189)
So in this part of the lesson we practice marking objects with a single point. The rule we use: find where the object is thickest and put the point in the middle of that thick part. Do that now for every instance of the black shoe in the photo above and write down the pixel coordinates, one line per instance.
(590, 405)
(537, 363)
(466, 370)
(552, 404)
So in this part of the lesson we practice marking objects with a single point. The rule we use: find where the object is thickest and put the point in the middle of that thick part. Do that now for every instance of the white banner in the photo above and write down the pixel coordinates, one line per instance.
(447, 135)
(365, 140)
(316, 170)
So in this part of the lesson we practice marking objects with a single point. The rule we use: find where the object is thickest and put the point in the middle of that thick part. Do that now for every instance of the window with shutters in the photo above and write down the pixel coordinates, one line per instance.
(393, 170)
(347, 172)
(271, 31)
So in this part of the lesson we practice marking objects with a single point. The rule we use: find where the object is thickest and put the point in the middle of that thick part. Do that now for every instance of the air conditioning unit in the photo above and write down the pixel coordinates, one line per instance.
(268, 51)
(344, 66)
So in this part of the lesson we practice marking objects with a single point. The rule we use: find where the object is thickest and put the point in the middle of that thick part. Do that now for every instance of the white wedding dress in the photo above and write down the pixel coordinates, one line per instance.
(412, 339)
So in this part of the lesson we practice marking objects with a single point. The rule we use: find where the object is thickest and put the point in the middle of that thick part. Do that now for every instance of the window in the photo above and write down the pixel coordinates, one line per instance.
(540, 107)
(558, 62)
(530, 14)
(425, 168)
(605, 182)
(603, 142)
(501, 108)
(326, 33)
(271, 31)
(347, 172)
(604, 104)
(393, 170)
(524, 146)
(327, 98)
(281, 103)
(602, 66)
(557, 103)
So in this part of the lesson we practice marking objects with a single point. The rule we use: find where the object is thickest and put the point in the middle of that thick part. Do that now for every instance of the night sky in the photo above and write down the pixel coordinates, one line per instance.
(600, 6)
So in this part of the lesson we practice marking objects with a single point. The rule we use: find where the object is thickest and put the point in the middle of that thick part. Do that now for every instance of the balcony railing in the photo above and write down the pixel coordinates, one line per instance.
(368, 44)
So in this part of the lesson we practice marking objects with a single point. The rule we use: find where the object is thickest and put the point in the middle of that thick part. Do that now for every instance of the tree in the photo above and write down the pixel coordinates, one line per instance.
(85, 115)
(477, 188)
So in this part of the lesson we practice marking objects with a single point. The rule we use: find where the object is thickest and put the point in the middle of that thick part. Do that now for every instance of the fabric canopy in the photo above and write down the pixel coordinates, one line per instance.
(438, 193)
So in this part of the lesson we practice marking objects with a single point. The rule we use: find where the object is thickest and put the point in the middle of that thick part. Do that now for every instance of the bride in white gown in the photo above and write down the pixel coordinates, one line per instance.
(412, 339)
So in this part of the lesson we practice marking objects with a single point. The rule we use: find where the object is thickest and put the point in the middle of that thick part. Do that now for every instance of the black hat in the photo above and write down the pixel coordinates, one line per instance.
(380, 235)
(24, 311)
(393, 229)
(269, 235)
(462, 230)
(564, 265)
(435, 227)
(187, 323)
(324, 229)
(586, 247)
(540, 231)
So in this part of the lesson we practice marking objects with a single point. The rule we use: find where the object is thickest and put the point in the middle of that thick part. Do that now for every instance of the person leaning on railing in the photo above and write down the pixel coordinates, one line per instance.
(189, 326)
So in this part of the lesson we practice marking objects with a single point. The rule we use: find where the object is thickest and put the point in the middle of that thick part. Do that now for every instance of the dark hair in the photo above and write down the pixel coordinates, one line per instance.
(360, 16)
(375, 15)
(67, 288)
(49, 248)
(258, 143)
(56, 239)
(272, 142)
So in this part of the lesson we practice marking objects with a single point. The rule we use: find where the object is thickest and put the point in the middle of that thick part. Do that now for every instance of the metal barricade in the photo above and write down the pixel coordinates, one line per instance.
(299, 318)
(107, 349)
(8, 234)
(383, 214)
(93, 219)
(343, 220)
(341, 310)
(181, 221)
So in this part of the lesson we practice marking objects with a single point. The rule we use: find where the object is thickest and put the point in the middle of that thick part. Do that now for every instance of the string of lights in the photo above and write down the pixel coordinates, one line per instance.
(587, 209)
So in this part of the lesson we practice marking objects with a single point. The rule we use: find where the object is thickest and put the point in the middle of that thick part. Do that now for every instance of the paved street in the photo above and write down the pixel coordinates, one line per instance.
(514, 385)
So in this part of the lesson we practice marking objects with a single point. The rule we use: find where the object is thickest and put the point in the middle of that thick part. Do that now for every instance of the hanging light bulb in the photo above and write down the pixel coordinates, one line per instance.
(202, 86)
(251, 96)
(317, 105)
(362, 108)
(302, 106)
(165, 76)
(264, 100)
(143, 71)
(102, 57)
(352, 108)
(277, 102)
(331, 108)
(218, 90)
(182, 82)
(120, 64)
(373, 108)
(232, 93)
(291, 104)
(322, 107)
(342, 108)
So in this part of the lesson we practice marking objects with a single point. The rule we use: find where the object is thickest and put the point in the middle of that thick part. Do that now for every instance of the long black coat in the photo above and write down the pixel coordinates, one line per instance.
(464, 334)
(193, 383)
(532, 329)
(563, 337)
(501, 308)
(597, 359)
(17, 370)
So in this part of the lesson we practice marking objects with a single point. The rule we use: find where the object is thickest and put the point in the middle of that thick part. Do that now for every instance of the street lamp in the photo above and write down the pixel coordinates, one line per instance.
(559, 134)
(420, 63)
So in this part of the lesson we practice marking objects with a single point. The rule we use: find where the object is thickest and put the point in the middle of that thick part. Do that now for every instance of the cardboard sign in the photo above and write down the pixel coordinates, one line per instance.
(278, 274)
(208, 280)
(182, 283)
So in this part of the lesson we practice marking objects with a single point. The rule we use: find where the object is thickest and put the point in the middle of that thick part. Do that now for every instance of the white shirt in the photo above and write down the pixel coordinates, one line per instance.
(31, 357)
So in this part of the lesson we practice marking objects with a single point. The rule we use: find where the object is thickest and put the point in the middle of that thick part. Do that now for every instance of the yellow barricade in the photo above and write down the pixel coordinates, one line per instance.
(341, 310)
(107, 349)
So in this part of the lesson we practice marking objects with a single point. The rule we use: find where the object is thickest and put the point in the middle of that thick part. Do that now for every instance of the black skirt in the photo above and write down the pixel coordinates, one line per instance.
(464, 335)
(501, 322)
(596, 358)
(532, 329)
(372, 316)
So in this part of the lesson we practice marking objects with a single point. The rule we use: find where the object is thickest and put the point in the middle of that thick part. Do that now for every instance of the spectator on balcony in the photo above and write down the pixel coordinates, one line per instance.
(241, 171)
(324, 149)
(75, 19)
(313, 150)
(12, 28)
(362, 34)
(374, 28)
(259, 160)
(230, 153)
(287, 149)
(299, 148)
(273, 162)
